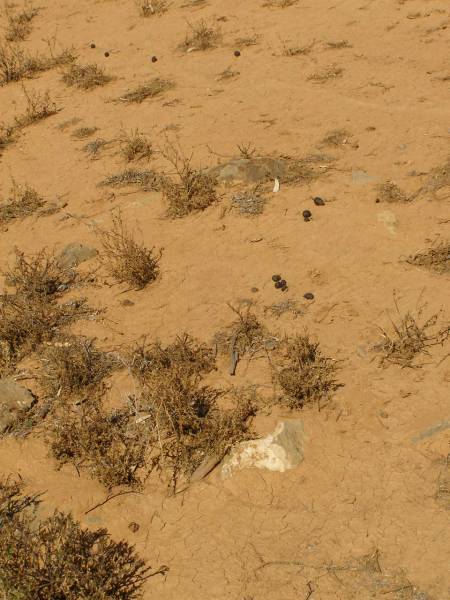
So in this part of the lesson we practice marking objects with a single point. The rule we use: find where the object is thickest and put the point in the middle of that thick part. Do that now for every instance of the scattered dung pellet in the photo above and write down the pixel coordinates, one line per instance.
(278, 284)
(307, 214)
(283, 283)
(318, 201)
(308, 296)
(134, 527)
(106, 54)
(92, 45)
(237, 53)
(276, 277)
(284, 288)
(154, 59)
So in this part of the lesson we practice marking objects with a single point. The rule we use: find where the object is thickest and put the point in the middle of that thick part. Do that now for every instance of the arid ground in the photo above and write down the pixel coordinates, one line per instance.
(114, 114)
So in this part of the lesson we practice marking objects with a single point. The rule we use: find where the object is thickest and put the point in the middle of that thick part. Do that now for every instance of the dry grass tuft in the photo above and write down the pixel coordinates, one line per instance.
(227, 74)
(22, 202)
(148, 8)
(19, 23)
(84, 132)
(411, 337)
(151, 89)
(326, 74)
(126, 260)
(187, 424)
(439, 179)
(201, 36)
(246, 41)
(94, 148)
(17, 64)
(194, 191)
(304, 374)
(86, 77)
(73, 365)
(279, 3)
(436, 258)
(340, 45)
(148, 180)
(39, 107)
(135, 146)
(113, 446)
(336, 138)
(56, 558)
(297, 50)
(391, 192)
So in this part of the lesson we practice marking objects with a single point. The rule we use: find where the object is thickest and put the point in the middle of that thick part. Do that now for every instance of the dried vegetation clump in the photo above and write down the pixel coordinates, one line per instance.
(151, 89)
(326, 74)
(55, 557)
(410, 337)
(135, 146)
(336, 138)
(436, 258)
(305, 375)
(39, 107)
(22, 202)
(193, 190)
(16, 63)
(73, 365)
(391, 192)
(19, 25)
(126, 260)
(148, 180)
(32, 314)
(201, 36)
(86, 77)
(249, 202)
(149, 8)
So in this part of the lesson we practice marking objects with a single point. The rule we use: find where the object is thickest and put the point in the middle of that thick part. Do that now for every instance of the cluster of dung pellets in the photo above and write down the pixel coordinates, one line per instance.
(280, 283)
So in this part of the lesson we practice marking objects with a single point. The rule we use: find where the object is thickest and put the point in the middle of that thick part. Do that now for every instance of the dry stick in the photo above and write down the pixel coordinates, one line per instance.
(234, 354)
(110, 497)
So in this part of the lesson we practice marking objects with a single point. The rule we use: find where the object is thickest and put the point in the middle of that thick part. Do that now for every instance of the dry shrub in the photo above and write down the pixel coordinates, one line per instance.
(113, 446)
(438, 179)
(246, 150)
(22, 202)
(391, 192)
(84, 132)
(336, 138)
(194, 191)
(73, 365)
(148, 180)
(39, 106)
(135, 146)
(306, 169)
(304, 374)
(148, 8)
(93, 148)
(38, 275)
(201, 37)
(436, 258)
(19, 23)
(126, 260)
(410, 337)
(185, 420)
(246, 335)
(16, 63)
(86, 77)
(326, 74)
(151, 89)
(55, 558)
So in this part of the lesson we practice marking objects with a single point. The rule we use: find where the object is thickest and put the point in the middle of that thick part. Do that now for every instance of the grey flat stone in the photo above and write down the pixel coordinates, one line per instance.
(13, 399)
(361, 177)
(75, 253)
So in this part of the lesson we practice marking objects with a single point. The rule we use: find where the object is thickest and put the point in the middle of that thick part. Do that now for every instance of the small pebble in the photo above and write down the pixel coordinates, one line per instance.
(276, 277)
(92, 45)
(318, 201)
(106, 54)
(154, 58)
(254, 290)
(308, 296)
(134, 527)
(237, 53)
(307, 214)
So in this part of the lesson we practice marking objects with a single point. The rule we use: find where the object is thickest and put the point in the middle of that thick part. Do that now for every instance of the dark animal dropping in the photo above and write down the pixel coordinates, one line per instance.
(308, 296)
(318, 201)
(276, 277)
(237, 53)
(283, 283)
(106, 54)
(307, 214)
(278, 284)
(154, 59)
(92, 45)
